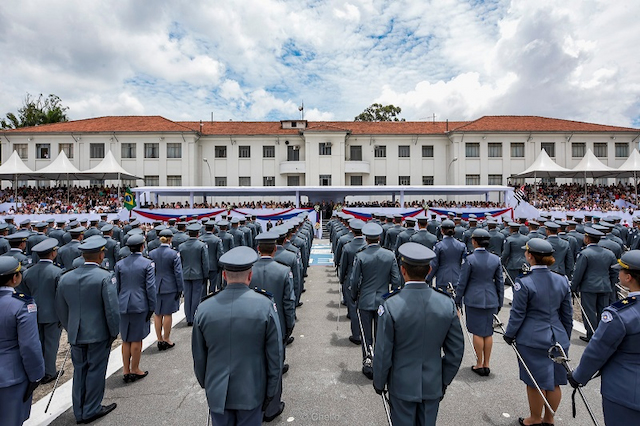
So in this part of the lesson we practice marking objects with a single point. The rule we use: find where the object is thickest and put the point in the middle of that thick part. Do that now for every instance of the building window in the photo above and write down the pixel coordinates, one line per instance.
(427, 151)
(128, 150)
(495, 180)
(151, 150)
(355, 152)
(244, 181)
(404, 180)
(517, 150)
(472, 149)
(269, 181)
(269, 151)
(427, 180)
(244, 151)
(43, 151)
(174, 150)
(495, 149)
(356, 180)
(221, 181)
(600, 150)
(380, 180)
(324, 148)
(380, 151)
(220, 152)
(472, 180)
(22, 149)
(325, 180)
(404, 151)
(67, 148)
(578, 149)
(550, 147)
(293, 180)
(96, 182)
(152, 180)
(622, 150)
(293, 153)
(175, 180)
(96, 150)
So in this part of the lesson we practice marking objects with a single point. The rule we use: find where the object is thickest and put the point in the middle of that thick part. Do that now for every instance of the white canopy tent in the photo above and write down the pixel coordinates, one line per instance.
(631, 168)
(109, 169)
(543, 166)
(61, 169)
(14, 168)
(591, 167)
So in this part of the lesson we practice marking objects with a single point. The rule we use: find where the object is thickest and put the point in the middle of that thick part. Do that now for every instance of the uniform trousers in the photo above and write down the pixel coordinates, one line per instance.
(214, 282)
(618, 415)
(369, 326)
(238, 417)
(351, 310)
(89, 370)
(50, 341)
(406, 413)
(14, 411)
(593, 305)
(192, 297)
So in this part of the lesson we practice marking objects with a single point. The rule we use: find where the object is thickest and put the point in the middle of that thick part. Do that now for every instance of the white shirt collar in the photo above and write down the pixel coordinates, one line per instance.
(539, 267)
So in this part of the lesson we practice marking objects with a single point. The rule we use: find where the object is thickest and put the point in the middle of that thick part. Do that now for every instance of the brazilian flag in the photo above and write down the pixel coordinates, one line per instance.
(129, 200)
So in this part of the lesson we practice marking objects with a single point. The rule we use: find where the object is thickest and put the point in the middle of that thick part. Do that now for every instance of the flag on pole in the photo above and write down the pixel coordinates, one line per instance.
(129, 200)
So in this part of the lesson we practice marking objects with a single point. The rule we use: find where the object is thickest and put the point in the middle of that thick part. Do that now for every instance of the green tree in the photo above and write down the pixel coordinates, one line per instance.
(36, 111)
(378, 112)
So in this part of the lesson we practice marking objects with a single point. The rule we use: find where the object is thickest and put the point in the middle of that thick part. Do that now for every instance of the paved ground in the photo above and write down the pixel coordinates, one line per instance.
(324, 384)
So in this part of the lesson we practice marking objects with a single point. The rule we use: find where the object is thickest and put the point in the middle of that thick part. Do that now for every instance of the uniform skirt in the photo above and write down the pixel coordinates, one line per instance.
(547, 373)
(166, 304)
(14, 411)
(480, 321)
(133, 327)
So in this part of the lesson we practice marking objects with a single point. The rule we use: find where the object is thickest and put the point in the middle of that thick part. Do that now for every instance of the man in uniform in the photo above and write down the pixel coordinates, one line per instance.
(226, 237)
(513, 252)
(87, 305)
(34, 239)
(111, 248)
(214, 244)
(18, 242)
(195, 270)
(409, 359)
(290, 259)
(237, 345)
(248, 235)
(238, 235)
(424, 236)
(392, 233)
(594, 278)
(562, 252)
(346, 264)
(277, 280)
(40, 282)
(374, 270)
(180, 236)
(68, 253)
(4, 243)
(496, 239)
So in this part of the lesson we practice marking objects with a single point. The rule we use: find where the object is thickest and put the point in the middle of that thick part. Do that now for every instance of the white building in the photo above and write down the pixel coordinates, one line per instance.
(299, 152)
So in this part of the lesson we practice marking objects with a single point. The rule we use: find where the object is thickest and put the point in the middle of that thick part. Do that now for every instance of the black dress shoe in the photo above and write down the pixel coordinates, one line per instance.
(290, 340)
(486, 371)
(304, 289)
(271, 418)
(189, 324)
(584, 339)
(162, 346)
(133, 377)
(49, 378)
(355, 341)
(299, 304)
(521, 422)
(126, 378)
(104, 410)
(285, 368)
(169, 346)
(478, 371)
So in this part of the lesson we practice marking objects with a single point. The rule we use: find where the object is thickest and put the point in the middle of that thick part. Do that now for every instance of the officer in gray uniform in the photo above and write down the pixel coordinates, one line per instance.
(237, 345)
(87, 305)
(423, 235)
(216, 250)
(111, 249)
(40, 282)
(180, 236)
(21, 363)
(593, 278)
(614, 350)
(276, 279)
(392, 233)
(344, 272)
(496, 239)
(419, 343)
(226, 237)
(374, 270)
(9, 221)
(58, 232)
(562, 252)
(449, 256)
(34, 239)
(70, 251)
(434, 225)
(288, 258)
(4, 243)
(248, 236)
(18, 242)
(195, 270)
(238, 235)
(513, 252)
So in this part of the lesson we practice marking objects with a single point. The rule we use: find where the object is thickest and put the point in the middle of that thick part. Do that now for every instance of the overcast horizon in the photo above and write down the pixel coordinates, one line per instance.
(260, 59)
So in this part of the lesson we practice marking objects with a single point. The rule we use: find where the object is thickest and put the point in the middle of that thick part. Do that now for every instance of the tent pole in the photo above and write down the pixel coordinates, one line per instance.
(15, 189)
(119, 185)
(67, 189)
(635, 183)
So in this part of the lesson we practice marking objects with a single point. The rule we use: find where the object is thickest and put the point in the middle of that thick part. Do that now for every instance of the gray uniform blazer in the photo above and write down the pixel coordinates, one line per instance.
(168, 270)
(277, 279)
(195, 259)
(374, 270)
(41, 282)
(136, 281)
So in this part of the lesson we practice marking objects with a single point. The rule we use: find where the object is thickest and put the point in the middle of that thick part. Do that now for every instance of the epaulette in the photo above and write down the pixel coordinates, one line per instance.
(446, 293)
(67, 270)
(210, 295)
(23, 297)
(624, 303)
(524, 274)
(263, 292)
(391, 293)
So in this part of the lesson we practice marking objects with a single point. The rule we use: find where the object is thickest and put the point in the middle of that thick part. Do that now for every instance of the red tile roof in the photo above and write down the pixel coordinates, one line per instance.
(133, 124)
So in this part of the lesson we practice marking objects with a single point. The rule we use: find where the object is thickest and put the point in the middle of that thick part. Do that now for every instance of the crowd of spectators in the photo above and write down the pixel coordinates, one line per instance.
(61, 200)
(572, 197)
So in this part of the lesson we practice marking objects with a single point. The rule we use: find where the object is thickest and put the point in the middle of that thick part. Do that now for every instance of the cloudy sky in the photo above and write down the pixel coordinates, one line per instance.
(259, 59)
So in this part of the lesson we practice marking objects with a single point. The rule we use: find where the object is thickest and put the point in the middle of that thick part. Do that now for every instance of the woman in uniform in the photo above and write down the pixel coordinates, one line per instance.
(21, 361)
(541, 316)
(614, 349)
(169, 286)
(481, 288)
(136, 280)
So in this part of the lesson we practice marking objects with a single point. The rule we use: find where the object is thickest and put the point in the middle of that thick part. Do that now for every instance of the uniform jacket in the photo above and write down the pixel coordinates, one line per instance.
(227, 240)
(168, 270)
(111, 250)
(512, 252)
(87, 304)
(136, 281)
(67, 254)
(496, 242)
(214, 244)
(391, 236)
(403, 237)
(374, 270)
(414, 327)
(277, 279)
(195, 259)
(593, 272)
(238, 237)
(348, 255)
(563, 255)
(481, 282)
(237, 348)
(41, 282)
(425, 238)
(290, 259)
(445, 267)
(178, 238)
(342, 241)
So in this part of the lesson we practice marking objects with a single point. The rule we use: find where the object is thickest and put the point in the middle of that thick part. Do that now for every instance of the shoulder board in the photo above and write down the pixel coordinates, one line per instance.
(22, 297)
(621, 304)
(446, 293)
(103, 268)
(557, 272)
(263, 292)
(67, 270)
(361, 249)
(391, 293)
(524, 274)
(210, 295)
